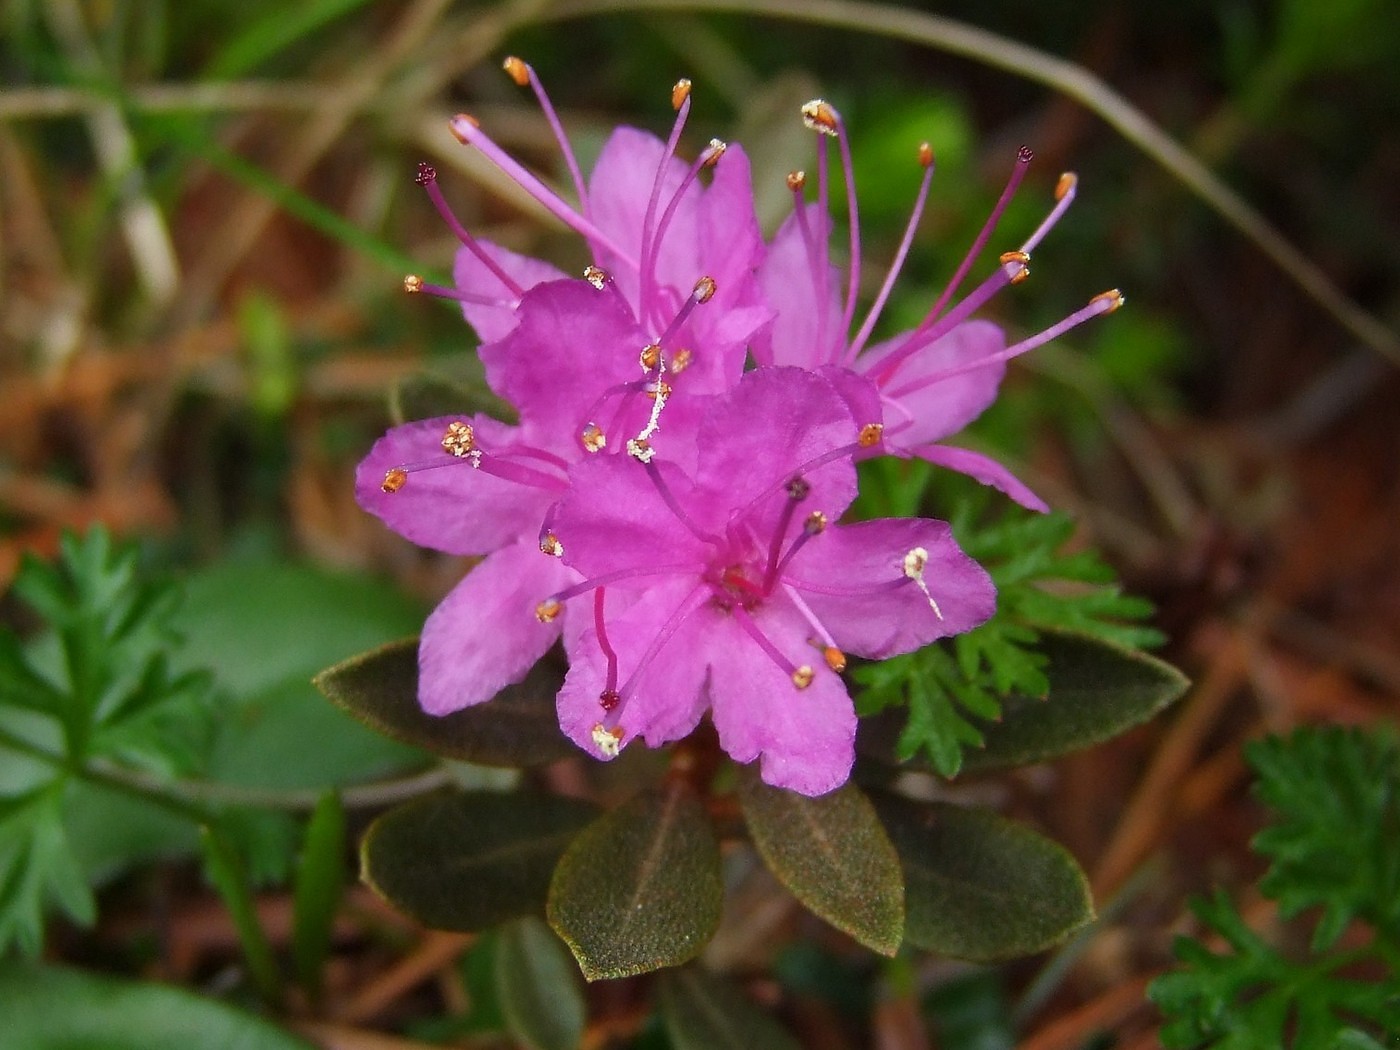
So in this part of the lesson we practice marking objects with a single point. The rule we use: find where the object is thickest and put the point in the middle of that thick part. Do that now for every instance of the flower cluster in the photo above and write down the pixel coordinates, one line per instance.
(673, 517)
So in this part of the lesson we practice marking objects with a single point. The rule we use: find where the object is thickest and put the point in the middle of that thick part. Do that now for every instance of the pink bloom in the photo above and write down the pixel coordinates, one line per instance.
(931, 381)
(585, 363)
(726, 586)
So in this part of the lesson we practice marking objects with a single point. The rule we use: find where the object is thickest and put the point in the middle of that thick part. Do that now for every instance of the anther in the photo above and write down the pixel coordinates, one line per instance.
(704, 290)
(549, 544)
(1066, 185)
(680, 92)
(802, 677)
(915, 561)
(609, 741)
(798, 489)
(662, 390)
(517, 70)
(715, 151)
(412, 284)
(815, 524)
(1113, 297)
(426, 173)
(547, 610)
(394, 479)
(925, 155)
(796, 180)
(650, 356)
(834, 657)
(459, 439)
(640, 449)
(593, 438)
(1019, 259)
(1025, 154)
(464, 118)
(870, 435)
(681, 359)
(608, 699)
(820, 117)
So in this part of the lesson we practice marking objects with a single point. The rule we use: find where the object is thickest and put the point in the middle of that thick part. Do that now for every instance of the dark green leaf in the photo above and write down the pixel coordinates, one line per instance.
(429, 394)
(979, 887)
(54, 1008)
(704, 1012)
(469, 861)
(1098, 689)
(320, 880)
(38, 869)
(640, 888)
(537, 987)
(834, 856)
(519, 727)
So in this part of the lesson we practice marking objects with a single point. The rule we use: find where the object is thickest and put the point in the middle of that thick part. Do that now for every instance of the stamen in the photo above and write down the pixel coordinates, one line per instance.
(692, 601)
(797, 490)
(680, 360)
(1008, 273)
(650, 357)
(652, 248)
(609, 653)
(546, 611)
(593, 438)
(827, 120)
(550, 545)
(645, 278)
(497, 465)
(834, 657)
(796, 180)
(744, 620)
(524, 74)
(820, 117)
(459, 439)
(640, 449)
(415, 285)
(669, 497)
(915, 561)
(1103, 303)
(468, 132)
(870, 435)
(680, 92)
(878, 306)
(394, 479)
(596, 276)
(703, 292)
(427, 178)
(609, 578)
(609, 741)
(1018, 172)
(1064, 197)
(814, 526)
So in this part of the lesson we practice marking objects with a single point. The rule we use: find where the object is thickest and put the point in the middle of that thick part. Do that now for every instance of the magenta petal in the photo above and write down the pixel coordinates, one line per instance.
(853, 579)
(775, 423)
(571, 343)
(474, 277)
(484, 635)
(613, 518)
(670, 698)
(805, 738)
(984, 469)
(946, 406)
(451, 507)
(789, 281)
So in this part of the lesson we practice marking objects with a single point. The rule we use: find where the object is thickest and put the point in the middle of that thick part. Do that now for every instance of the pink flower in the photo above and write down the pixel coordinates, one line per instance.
(583, 362)
(931, 381)
(727, 586)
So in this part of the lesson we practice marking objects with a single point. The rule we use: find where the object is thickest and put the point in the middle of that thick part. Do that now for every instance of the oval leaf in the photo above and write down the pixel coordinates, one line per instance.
(468, 861)
(834, 856)
(518, 727)
(537, 987)
(640, 888)
(980, 887)
(51, 1006)
(705, 1012)
(1097, 690)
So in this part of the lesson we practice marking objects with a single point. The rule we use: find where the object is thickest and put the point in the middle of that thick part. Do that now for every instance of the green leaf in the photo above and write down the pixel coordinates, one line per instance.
(705, 1012)
(229, 876)
(537, 987)
(104, 1012)
(640, 888)
(468, 861)
(38, 869)
(834, 856)
(1098, 689)
(518, 727)
(980, 887)
(320, 881)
